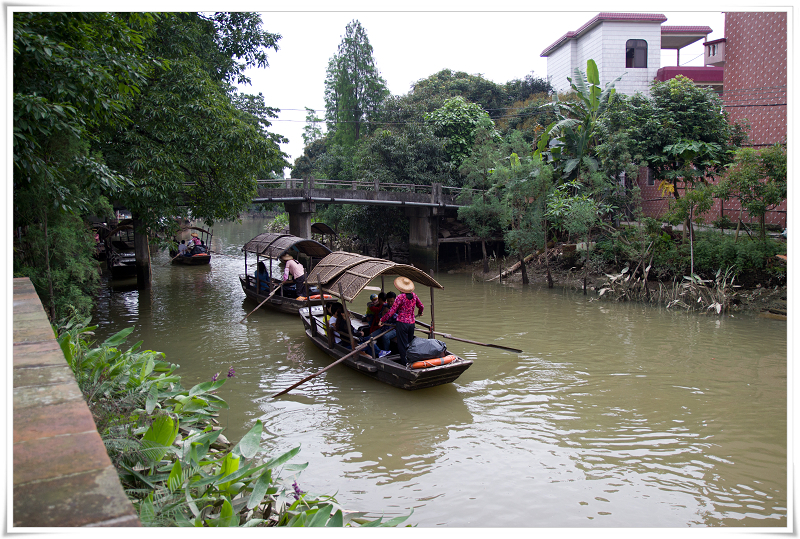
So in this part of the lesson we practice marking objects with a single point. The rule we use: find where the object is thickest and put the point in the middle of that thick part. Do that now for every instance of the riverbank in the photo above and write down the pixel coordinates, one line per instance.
(770, 301)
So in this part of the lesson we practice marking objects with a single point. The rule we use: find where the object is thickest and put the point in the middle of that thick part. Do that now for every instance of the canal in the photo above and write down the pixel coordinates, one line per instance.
(615, 415)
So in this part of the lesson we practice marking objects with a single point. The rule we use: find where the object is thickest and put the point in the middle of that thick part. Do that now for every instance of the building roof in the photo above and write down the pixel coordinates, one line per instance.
(677, 37)
(605, 17)
(700, 75)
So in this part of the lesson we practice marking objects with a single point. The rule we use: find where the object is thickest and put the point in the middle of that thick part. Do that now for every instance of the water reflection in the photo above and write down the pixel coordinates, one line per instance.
(614, 415)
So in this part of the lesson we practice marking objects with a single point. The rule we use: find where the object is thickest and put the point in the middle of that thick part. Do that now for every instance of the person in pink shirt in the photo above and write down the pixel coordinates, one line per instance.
(404, 306)
(297, 272)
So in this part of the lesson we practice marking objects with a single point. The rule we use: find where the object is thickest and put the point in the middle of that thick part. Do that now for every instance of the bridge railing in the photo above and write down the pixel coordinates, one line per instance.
(356, 185)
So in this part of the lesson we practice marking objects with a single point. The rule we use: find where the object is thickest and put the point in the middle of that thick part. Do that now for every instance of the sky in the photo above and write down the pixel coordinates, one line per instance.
(422, 39)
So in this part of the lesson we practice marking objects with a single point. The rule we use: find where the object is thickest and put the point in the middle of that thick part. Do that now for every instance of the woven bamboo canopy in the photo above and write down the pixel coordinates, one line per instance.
(356, 271)
(273, 245)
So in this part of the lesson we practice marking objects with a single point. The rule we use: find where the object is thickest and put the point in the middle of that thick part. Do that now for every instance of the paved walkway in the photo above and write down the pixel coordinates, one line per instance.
(62, 475)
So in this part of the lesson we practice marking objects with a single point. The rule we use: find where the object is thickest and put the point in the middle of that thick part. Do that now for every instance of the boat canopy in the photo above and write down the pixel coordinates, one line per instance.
(356, 271)
(273, 245)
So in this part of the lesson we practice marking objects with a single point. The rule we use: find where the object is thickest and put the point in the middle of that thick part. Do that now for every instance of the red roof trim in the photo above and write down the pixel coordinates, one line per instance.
(686, 30)
(720, 40)
(707, 74)
(604, 17)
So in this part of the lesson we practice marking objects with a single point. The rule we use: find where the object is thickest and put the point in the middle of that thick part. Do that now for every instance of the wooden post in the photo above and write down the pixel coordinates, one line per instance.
(347, 318)
(328, 332)
(312, 322)
(433, 322)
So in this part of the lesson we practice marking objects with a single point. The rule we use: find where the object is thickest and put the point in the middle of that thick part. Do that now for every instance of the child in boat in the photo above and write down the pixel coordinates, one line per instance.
(338, 324)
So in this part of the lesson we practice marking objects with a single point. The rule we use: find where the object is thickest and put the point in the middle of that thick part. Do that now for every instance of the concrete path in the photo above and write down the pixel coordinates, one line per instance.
(62, 475)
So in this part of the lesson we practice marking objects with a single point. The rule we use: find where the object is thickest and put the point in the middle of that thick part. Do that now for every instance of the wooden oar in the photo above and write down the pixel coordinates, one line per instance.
(262, 303)
(448, 336)
(173, 258)
(355, 351)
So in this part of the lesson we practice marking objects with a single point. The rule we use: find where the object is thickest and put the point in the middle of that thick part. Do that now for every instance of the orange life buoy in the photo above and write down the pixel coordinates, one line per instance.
(435, 362)
(315, 296)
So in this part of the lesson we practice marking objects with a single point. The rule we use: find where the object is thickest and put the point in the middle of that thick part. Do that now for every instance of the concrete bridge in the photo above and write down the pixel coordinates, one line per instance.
(423, 204)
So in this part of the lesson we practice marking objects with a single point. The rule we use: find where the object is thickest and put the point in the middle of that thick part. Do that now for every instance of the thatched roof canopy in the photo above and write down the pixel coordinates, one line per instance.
(333, 265)
(355, 274)
(321, 228)
(273, 245)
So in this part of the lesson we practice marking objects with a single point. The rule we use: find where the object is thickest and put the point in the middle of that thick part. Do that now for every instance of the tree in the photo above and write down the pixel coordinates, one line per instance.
(446, 84)
(312, 130)
(455, 121)
(75, 74)
(757, 180)
(354, 88)
(483, 213)
(198, 147)
(526, 182)
(576, 131)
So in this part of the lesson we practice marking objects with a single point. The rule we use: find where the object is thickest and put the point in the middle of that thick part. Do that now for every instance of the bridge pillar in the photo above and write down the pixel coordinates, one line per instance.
(423, 238)
(300, 218)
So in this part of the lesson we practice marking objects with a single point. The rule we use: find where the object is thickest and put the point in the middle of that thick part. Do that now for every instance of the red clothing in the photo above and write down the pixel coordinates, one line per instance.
(375, 310)
(404, 308)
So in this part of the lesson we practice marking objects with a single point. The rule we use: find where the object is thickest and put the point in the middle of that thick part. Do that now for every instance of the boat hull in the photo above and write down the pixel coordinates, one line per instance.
(277, 302)
(194, 260)
(384, 369)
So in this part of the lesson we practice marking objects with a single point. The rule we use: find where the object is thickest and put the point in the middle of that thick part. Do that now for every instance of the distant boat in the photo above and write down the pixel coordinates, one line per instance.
(196, 254)
(120, 251)
(268, 248)
(345, 275)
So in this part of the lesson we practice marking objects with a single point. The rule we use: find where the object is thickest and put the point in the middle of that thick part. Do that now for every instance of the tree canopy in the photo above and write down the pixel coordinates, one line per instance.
(138, 109)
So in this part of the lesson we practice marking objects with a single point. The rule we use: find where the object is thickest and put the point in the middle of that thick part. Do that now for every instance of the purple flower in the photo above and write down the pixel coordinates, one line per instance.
(231, 373)
(297, 492)
(214, 378)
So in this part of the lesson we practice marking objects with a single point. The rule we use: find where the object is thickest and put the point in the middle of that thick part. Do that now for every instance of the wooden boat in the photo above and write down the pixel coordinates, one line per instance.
(344, 275)
(268, 248)
(200, 255)
(120, 251)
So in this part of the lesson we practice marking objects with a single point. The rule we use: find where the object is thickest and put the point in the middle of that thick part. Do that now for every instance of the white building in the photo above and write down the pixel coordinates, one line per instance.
(629, 43)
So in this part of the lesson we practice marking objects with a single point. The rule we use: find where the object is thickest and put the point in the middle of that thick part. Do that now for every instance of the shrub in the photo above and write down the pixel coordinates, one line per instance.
(172, 460)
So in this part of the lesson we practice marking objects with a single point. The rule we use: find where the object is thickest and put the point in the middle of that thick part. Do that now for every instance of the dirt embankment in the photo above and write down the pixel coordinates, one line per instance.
(771, 302)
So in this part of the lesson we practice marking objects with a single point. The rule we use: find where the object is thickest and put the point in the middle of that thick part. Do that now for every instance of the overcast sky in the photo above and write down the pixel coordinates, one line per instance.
(412, 45)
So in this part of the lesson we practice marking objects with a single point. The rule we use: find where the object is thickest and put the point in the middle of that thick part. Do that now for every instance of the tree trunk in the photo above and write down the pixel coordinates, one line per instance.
(738, 225)
(485, 258)
(763, 222)
(586, 264)
(691, 242)
(144, 275)
(524, 269)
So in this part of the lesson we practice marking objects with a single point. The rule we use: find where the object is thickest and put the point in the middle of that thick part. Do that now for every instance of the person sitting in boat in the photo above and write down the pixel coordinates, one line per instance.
(295, 269)
(182, 248)
(385, 341)
(375, 309)
(404, 307)
(338, 323)
(370, 314)
(262, 277)
(195, 239)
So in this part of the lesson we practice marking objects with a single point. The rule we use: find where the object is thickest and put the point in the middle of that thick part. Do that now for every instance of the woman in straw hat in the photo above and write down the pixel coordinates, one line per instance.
(404, 307)
(298, 273)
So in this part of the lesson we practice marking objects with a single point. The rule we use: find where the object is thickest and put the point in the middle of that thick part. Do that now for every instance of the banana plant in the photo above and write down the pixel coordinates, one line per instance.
(569, 142)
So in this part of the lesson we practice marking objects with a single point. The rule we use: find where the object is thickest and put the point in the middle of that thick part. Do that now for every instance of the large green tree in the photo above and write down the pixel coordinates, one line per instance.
(137, 109)
(354, 88)
(197, 146)
(75, 74)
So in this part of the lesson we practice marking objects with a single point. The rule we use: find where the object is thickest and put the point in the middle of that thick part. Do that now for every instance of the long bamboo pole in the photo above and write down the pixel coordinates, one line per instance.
(448, 336)
(306, 379)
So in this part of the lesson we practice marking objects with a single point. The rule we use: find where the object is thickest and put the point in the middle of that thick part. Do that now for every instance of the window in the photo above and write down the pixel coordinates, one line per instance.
(636, 53)
(651, 179)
